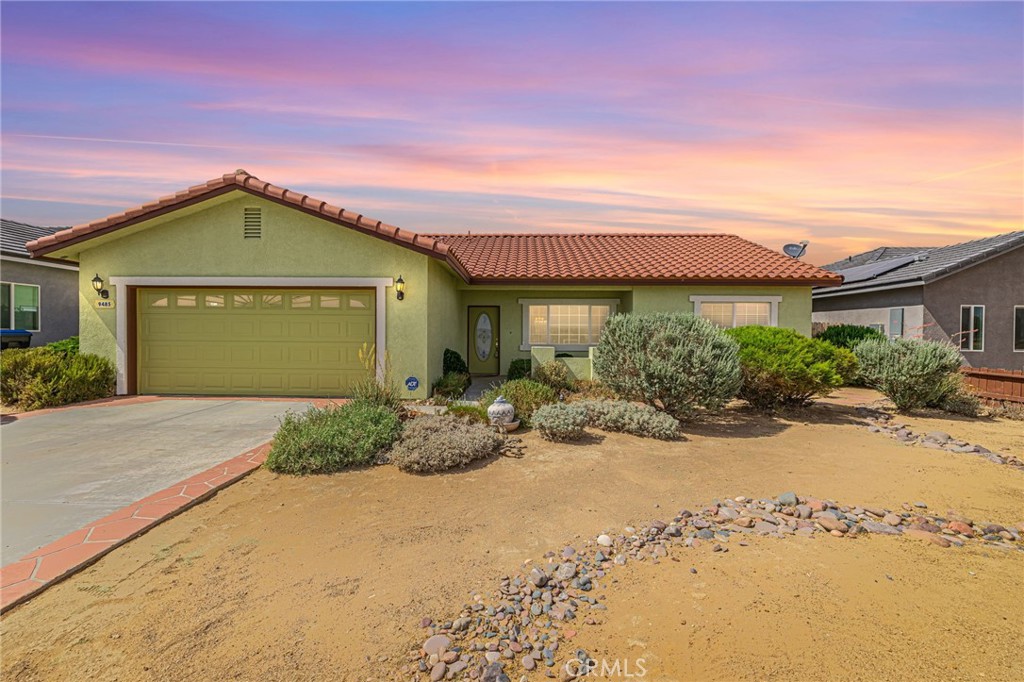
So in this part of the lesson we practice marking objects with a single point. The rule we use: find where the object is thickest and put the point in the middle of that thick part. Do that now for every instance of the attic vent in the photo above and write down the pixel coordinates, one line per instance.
(252, 223)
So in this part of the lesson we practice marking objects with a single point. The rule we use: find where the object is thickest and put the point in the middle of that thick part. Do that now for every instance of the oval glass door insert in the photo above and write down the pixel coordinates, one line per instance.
(484, 334)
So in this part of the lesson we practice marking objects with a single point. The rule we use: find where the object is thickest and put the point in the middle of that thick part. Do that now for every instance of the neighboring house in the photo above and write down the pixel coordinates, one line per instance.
(39, 295)
(971, 294)
(236, 286)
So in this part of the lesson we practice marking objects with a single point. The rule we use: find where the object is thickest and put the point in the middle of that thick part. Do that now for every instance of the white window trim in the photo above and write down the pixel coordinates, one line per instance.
(39, 303)
(773, 315)
(1013, 329)
(122, 283)
(971, 337)
(525, 303)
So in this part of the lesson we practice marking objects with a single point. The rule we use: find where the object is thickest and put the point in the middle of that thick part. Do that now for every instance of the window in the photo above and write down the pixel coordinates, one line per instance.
(244, 301)
(895, 323)
(186, 301)
(330, 301)
(569, 324)
(302, 301)
(738, 311)
(20, 306)
(214, 300)
(972, 327)
(1018, 329)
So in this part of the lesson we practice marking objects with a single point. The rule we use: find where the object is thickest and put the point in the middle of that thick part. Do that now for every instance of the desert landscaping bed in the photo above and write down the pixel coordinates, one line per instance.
(331, 577)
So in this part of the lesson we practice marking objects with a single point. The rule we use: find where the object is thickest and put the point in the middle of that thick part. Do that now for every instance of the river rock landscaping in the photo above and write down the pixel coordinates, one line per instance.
(884, 422)
(527, 624)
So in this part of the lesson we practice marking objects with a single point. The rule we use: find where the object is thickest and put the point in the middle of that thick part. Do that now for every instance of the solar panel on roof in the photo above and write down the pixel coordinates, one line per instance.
(863, 273)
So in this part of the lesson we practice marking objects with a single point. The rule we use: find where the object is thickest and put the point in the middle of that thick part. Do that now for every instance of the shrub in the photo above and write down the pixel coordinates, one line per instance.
(451, 385)
(519, 369)
(68, 346)
(378, 390)
(439, 443)
(471, 413)
(848, 335)
(323, 440)
(632, 418)
(675, 361)
(526, 395)
(959, 399)
(782, 367)
(554, 374)
(560, 421)
(911, 373)
(590, 389)
(453, 362)
(34, 378)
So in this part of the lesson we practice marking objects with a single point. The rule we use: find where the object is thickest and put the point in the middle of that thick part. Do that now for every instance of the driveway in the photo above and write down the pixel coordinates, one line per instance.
(67, 468)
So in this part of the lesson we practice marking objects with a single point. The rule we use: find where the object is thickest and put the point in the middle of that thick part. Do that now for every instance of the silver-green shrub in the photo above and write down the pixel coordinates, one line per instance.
(633, 418)
(554, 374)
(911, 373)
(677, 362)
(560, 421)
(442, 442)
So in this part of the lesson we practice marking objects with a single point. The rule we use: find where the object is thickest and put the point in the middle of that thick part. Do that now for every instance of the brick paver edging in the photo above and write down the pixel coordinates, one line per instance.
(33, 573)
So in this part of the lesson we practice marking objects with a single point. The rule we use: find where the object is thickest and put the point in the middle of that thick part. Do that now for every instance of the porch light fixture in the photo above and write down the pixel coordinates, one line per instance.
(97, 284)
(400, 288)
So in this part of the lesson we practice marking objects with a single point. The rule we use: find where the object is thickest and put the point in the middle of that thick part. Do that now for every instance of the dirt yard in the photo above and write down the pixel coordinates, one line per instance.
(280, 578)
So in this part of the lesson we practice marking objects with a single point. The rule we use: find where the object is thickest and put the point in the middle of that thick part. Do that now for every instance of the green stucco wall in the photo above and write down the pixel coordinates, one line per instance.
(445, 308)
(794, 309)
(209, 243)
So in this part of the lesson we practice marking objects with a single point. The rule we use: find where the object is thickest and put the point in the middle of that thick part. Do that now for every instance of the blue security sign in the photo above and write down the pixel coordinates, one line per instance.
(412, 383)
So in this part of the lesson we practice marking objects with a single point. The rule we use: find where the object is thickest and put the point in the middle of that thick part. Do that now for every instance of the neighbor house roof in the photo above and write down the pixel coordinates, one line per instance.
(14, 235)
(508, 258)
(914, 266)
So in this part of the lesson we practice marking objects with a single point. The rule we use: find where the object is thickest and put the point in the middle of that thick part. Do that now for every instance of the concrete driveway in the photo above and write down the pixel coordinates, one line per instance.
(67, 468)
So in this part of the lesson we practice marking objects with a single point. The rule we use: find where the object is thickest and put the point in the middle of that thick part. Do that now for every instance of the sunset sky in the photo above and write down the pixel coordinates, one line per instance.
(850, 125)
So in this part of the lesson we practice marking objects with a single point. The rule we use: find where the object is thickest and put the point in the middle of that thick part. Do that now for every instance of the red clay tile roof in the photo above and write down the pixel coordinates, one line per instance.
(510, 258)
(627, 258)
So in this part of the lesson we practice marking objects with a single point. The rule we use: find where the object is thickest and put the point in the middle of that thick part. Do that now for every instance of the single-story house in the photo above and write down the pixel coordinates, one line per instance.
(971, 294)
(38, 295)
(237, 286)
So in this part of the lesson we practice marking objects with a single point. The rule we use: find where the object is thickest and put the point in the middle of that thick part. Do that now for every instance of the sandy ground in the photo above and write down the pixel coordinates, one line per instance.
(280, 578)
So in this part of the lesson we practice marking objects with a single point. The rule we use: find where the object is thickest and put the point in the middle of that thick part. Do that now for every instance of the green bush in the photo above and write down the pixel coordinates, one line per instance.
(632, 418)
(452, 362)
(519, 369)
(554, 374)
(848, 335)
(451, 385)
(677, 362)
(526, 395)
(911, 373)
(439, 443)
(471, 413)
(35, 378)
(379, 390)
(782, 367)
(68, 346)
(322, 440)
(560, 421)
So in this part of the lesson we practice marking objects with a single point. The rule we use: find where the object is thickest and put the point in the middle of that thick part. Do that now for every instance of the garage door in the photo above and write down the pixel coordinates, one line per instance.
(252, 341)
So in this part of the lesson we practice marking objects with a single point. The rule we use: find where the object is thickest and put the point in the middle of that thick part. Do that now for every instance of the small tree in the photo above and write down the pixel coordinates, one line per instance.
(911, 373)
(848, 335)
(675, 361)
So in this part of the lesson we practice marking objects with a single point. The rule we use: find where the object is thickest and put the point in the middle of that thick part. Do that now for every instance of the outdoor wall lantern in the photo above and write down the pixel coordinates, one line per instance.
(400, 288)
(97, 284)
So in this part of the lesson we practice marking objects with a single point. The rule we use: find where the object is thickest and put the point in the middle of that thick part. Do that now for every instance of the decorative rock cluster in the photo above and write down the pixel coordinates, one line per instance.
(883, 422)
(531, 617)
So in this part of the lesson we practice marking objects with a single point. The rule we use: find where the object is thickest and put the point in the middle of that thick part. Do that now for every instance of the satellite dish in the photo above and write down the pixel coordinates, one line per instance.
(795, 250)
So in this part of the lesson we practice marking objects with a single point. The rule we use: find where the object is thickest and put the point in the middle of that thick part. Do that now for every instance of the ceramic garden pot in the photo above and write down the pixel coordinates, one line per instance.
(501, 412)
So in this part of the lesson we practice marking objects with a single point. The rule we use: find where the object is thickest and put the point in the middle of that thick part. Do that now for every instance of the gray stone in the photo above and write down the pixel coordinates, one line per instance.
(788, 499)
(538, 577)
(937, 436)
(494, 673)
(604, 540)
(438, 671)
(876, 527)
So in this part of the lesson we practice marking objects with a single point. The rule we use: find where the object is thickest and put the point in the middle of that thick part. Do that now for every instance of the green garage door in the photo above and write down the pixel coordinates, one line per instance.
(253, 341)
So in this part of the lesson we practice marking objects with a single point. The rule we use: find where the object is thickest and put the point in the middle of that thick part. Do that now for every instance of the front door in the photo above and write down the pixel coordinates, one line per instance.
(483, 340)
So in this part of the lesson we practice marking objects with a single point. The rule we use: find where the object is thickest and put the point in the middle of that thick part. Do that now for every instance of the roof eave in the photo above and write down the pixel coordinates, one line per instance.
(606, 281)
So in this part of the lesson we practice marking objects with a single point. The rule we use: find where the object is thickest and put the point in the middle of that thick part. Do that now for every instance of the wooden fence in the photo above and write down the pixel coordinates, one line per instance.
(996, 384)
